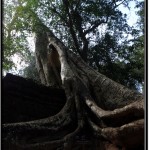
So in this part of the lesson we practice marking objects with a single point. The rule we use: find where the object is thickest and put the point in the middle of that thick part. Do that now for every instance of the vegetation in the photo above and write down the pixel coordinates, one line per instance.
(76, 42)
(95, 30)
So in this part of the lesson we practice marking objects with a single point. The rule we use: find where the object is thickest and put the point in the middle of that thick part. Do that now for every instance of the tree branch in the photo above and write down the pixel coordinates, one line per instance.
(77, 5)
(77, 20)
(96, 24)
(61, 17)
(116, 5)
(66, 4)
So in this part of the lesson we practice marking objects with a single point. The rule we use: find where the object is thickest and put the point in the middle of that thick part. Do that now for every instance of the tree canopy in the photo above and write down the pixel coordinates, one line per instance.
(96, 30)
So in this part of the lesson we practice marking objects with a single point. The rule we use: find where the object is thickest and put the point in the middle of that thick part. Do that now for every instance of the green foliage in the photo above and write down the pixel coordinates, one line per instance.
(98, 23)
(14, 35)
(31, 70)
(141, 14)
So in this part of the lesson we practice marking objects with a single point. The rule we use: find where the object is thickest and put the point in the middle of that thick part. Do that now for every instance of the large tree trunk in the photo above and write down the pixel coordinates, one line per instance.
(110, 113)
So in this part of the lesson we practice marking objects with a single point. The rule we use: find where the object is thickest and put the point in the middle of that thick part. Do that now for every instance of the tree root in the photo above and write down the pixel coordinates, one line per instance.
(49, 125)
(137, 107)
(76, 78)
(59, 143)
(119, 135)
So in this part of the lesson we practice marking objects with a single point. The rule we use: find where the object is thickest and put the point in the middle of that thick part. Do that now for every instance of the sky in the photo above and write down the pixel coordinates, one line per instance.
(131, 19)
(131, 15)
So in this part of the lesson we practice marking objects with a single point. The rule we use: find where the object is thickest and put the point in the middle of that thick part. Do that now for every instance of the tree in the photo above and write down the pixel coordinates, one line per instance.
(111, 111)
(98, 36)
(77, 76)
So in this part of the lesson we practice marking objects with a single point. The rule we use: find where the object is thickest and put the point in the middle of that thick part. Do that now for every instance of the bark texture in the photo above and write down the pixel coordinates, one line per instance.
(103, 110)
